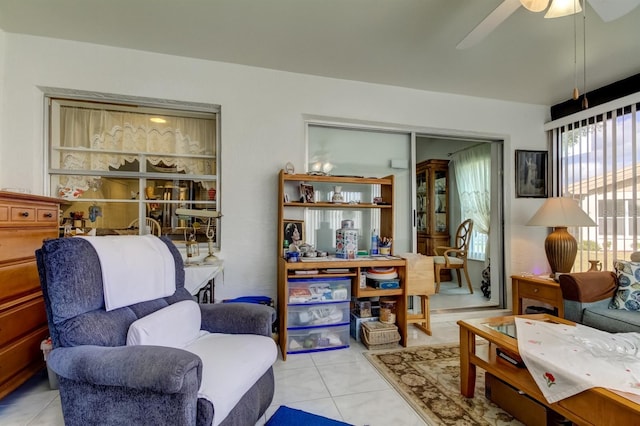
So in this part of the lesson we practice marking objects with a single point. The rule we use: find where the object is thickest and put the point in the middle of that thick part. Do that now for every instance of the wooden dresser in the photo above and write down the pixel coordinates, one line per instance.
(25, 221)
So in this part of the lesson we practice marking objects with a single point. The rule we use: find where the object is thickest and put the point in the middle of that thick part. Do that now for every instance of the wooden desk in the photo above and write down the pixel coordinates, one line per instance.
(544, 290)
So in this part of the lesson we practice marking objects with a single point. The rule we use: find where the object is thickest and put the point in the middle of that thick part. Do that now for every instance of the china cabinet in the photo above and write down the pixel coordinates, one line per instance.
(432, 214)
(25, 221)
(314, 293)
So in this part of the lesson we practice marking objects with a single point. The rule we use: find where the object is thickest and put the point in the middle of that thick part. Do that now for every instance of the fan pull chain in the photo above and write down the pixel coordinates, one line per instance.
(576, 92)
(585, 101)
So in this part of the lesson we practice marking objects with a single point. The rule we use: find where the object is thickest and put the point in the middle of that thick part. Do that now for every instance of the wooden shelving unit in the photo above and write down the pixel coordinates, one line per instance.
(286, 270)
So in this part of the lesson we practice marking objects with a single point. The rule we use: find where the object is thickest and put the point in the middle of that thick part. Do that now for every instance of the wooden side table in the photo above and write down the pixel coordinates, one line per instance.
(542, 289)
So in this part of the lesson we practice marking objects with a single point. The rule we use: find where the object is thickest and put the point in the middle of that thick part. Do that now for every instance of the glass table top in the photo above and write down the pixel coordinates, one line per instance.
(507, 328)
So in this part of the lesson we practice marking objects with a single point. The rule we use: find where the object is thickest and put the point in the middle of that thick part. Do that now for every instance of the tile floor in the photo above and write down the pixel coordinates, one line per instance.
(338, 384)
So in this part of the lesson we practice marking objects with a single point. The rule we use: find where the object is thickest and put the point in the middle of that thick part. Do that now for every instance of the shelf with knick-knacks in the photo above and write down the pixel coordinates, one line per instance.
(365, 204)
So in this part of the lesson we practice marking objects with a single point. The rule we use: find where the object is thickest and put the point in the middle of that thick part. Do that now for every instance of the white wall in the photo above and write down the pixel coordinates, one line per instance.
(3, 48)
(262, 129)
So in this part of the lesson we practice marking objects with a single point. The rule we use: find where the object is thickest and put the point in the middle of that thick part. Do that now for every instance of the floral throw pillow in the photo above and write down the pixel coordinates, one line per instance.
(627, 296)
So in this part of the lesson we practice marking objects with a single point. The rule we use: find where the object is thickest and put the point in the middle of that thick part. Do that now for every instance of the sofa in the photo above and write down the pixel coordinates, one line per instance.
(105, 379)
(596, 299)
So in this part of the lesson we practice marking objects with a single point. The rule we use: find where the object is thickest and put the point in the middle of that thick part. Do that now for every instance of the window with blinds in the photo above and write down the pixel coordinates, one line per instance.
(598, 153)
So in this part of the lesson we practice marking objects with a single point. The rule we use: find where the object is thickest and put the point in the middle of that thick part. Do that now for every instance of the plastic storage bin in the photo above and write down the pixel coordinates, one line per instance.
(315, 339)
(318, 314)
(319, 290)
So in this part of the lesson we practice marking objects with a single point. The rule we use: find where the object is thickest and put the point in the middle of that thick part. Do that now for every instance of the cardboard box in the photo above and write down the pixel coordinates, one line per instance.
(419, 274)
(356, 324)
(526, 409)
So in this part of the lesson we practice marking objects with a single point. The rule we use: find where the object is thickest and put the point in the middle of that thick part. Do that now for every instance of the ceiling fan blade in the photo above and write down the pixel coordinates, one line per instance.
(490, 23)
(610, 10)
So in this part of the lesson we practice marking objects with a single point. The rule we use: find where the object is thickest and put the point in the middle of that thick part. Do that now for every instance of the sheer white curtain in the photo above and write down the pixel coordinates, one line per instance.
(472, 167)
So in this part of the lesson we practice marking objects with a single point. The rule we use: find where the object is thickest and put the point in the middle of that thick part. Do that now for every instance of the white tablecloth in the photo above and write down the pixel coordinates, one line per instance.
(565, 360)
(196, 276)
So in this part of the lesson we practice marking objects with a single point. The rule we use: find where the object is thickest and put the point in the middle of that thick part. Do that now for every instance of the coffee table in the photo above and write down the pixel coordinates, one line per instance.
(595, 406)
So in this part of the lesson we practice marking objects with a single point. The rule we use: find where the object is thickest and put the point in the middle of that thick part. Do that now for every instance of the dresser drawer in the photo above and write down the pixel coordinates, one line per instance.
(23, 214)
(22, 243)
(47, 215)
(538, 291)
(18, 280)
(21, 320)
(23, 354)
(28, 214)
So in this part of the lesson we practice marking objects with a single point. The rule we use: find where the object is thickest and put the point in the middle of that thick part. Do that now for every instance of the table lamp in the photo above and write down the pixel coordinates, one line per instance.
(560, 246)
(203, 214)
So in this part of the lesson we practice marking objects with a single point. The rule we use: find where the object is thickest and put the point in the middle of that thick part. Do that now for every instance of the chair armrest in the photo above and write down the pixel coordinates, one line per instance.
(238, 318)
(439, 250)
(454, 250)
(153, 368)
(588, 287)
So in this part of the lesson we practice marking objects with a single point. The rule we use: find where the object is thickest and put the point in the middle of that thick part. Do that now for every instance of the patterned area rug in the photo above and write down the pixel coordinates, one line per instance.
(428, 377)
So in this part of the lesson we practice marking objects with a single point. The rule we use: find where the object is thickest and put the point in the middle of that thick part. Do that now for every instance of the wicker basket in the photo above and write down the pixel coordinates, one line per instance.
(377, 335)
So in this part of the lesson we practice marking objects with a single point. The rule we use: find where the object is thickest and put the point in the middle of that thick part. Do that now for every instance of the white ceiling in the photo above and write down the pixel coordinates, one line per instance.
(408, 43)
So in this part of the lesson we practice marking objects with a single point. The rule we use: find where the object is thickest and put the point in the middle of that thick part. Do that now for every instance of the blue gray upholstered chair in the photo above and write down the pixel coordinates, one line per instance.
(103, 381)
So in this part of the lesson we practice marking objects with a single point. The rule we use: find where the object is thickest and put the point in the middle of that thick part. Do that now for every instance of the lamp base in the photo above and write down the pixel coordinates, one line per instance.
(211, 258)
(561, 249)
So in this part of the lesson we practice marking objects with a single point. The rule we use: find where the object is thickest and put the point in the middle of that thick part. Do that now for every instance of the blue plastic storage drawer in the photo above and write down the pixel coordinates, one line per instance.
(317, 314)
(314, 339)
(318, 290)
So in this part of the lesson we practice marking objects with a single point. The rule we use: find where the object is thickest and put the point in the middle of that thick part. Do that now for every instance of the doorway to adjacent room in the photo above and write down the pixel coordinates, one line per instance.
(343, 148)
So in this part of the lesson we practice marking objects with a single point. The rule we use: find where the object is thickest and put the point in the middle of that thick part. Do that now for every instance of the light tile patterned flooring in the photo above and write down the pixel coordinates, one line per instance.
(339, 384)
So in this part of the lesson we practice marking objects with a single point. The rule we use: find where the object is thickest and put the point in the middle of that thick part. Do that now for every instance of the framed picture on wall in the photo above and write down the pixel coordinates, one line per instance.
(293, 231)
(531, 174)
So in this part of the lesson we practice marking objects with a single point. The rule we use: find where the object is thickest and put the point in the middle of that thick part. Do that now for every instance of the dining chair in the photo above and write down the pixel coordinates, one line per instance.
(152, 224)
(455, 257)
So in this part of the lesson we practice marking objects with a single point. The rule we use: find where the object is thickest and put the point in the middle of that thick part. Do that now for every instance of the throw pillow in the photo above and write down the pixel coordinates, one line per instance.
(627, 296)
(175, 326)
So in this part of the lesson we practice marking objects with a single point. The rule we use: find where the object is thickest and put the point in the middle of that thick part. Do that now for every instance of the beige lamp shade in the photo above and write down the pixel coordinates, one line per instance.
(535, 5)
(560, 246)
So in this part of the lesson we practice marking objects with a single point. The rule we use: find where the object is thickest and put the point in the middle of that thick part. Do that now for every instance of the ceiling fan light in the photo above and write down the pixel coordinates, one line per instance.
(561, 8)
(535, 5)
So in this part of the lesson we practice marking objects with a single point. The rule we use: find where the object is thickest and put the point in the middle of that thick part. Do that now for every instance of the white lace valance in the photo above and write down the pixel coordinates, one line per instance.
(100, 140)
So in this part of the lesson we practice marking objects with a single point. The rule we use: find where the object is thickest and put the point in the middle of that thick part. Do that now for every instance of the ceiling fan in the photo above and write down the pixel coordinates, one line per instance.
(608, 10)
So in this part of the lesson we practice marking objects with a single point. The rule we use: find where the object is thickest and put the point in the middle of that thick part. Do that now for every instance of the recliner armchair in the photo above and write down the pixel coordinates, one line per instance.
(104, 381)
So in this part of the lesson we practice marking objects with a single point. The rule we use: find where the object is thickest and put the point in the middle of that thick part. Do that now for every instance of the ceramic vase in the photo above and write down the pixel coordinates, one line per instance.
(337, 195)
